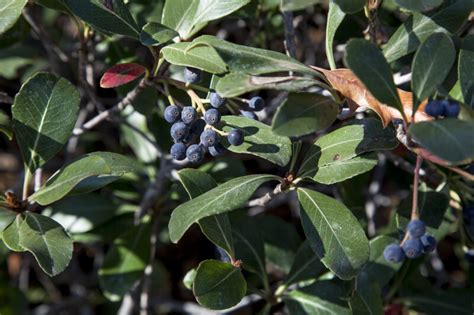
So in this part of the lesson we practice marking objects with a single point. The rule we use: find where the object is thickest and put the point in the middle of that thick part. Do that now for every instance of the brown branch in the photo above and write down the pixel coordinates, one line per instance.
(416, 181)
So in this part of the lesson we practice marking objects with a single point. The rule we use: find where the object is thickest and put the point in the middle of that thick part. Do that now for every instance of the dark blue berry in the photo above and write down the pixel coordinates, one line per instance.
(235, 137)
(217, 150)
(451, 109)
(469, 255)
(249, 114)
(416, 228)
(172, 113)
(428, 242)
(470, 169)
(434, 108)
(256, 103)
(179, 131)
(195, 153)
(192, 75)
(198, 127)
(393, 253)
(208, 138)
(412, 248)
(468, 213)
(216, 100)
(188, 114)
(212, 116)
(178, 151)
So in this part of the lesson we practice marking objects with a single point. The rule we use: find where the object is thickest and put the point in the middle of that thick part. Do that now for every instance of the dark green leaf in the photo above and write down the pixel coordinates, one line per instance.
(44, 113)
(350, 6)
(466, 70)
(369, 65)
(304, 113)
(323, 297)
(218, 285)
(366, 299)
(217, 227)
(452, 301)
(6, 125)
(332, 158)
(306, 265)
(10, 11)
(295, 5)
(431, 65)
(418, 27)
(54, 4)
(259, 140)
(335, 18)
(90, 171)
(197, 55)
(334, 233)
(44, 238)
(188, 278)
(235, 84)
(111, 16)
(154, 34)
(224, 198)
(253, 61)
(449, 139)
(6, 217)
(125, 262)
(224, 168)
(419, 5)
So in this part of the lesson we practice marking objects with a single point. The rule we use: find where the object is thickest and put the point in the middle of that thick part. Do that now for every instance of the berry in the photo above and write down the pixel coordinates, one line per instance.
(416, 228)
(469, 255)
(217, 149)
(192, 75)
(178, 151)
(249, 114)
(195, 153)
(208, 138)
(428, 242)
(235, 137)
(188, 115)
(212, 116)
(468, 213)
(172, 113)
(216, 100)
(179, 131)
(434, 108)
(198, 127)
(451, 109)
(470, 169)
(412, 248)
(393, 253)
(256, 103)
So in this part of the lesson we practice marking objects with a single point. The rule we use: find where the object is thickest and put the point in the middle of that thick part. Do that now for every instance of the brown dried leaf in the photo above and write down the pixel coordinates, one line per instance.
(346, 83)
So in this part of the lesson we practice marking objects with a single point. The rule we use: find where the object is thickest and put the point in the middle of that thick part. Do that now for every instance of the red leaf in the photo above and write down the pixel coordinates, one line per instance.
(121, 74)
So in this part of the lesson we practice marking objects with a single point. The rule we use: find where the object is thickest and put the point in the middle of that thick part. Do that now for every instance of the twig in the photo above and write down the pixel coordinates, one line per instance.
(144, 136)
(402, 78)
(127, 100)
(416, 181)
(37, 180)
(5, 98)
(373, 191)
(265, 199)
(289, 34)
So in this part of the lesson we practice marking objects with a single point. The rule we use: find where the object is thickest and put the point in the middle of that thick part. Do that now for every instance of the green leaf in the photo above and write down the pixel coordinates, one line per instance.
(419, 5)
(125, 262)
(154, 34)
(323, 297)
(304, 113)
(466, 69)
(418, 27)
(44, 113)
(259, 140)
(369, 65)
(452, 301)
(334, 233)
(431, 65)
(335, 18)
(449, 139)
(10, 11)
(366, 299)
(306, 265)
(217, 227)
(350, 6)
(224, 168)
(234, 192)
(88, 172)
(188, 278)
(295, 5)
(218, 285)
(54, 4)
(333, 157)
(6, 217)
(253, 61)
(197, 55)
(108, 16)
(44, 238)
(235, 84)
(6, 125)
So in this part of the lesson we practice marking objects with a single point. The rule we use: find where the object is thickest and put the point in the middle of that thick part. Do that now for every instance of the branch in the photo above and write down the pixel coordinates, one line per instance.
(289, 33)
(265, 199)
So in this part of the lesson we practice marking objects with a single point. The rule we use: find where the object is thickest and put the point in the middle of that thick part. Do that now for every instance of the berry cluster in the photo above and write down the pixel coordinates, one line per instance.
(443, 108)
(418, 242)
(194, 132)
